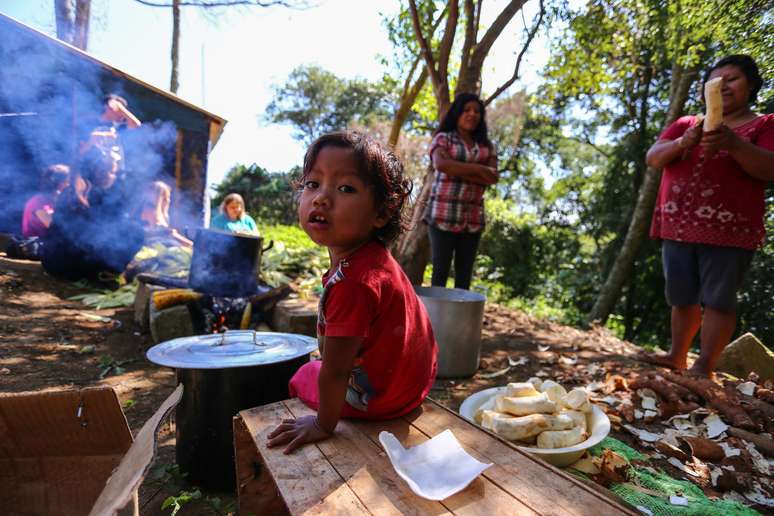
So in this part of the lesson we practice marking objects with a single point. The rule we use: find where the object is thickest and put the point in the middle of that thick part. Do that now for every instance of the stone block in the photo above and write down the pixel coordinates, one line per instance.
(295, 316)
(170, 323)
(142, 305)
(747, 354)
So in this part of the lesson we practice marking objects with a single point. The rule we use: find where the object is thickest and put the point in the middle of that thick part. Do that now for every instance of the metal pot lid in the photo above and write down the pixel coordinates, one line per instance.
(234, 348)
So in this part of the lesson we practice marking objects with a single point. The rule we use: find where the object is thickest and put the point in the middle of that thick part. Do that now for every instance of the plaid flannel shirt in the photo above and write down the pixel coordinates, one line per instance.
(457, 205)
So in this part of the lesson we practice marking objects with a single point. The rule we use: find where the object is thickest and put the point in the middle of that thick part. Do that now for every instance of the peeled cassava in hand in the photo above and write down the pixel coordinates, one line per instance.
(526, 405)
(714, 102)
(521, 428)
(517, 390)
(560, 438)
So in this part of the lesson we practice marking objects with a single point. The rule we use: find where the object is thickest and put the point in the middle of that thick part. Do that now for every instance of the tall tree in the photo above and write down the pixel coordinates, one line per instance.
(315, 101)
(174, 82)
(72, 21)
(414, 249)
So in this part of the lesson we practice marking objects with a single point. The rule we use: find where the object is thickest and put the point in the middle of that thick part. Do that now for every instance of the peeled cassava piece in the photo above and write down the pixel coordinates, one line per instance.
(560, 438)
(553, 390)
(487, 405)
(576, 399)
(522, 428)
(714, 102)
(526, 405)
(536, 382)
(517, 390)
(578, 417)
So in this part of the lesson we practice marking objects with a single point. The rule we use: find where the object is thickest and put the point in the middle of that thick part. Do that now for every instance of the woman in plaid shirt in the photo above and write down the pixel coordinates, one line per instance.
(465, 164)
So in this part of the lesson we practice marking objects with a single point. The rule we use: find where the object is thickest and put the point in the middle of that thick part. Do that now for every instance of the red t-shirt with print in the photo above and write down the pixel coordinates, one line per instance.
(713, 201)
(369, 296)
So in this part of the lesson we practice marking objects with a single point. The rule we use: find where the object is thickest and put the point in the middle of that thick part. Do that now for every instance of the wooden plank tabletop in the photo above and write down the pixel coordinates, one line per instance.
(351, 474)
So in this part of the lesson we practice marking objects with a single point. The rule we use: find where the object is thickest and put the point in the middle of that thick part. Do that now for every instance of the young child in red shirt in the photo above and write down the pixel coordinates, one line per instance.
(378, 350)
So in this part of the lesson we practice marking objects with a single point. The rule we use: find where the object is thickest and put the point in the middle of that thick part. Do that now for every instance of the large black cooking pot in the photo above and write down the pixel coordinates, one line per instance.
(223, 374)
(225, 264)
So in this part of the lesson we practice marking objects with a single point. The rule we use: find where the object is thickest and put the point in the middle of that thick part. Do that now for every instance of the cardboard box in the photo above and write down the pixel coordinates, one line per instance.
(71, 452)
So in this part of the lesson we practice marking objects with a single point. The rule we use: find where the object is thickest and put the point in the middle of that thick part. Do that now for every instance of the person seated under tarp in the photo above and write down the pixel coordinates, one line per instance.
(165, 250)
(92, 231)
(38, 213)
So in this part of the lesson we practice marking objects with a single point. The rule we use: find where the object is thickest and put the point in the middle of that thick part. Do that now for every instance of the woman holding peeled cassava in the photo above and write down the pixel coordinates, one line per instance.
(709, 212)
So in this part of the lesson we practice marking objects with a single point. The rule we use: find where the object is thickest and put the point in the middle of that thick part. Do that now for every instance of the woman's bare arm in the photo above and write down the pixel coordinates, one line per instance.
(664, 152)
(44, 217)
(473, 172)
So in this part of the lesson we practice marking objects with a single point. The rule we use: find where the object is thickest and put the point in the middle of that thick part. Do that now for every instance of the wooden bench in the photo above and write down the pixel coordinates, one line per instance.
(351, 474)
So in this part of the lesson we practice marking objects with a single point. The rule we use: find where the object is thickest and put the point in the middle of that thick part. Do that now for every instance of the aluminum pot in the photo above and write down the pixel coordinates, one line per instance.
(457, 317)
(224, 374)
(225, 264)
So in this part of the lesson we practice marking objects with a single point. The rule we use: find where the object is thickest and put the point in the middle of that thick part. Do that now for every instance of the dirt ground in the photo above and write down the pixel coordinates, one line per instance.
(50, 342)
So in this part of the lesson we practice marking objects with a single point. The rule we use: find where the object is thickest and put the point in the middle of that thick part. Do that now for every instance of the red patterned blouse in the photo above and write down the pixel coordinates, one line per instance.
(457, 205)
(714, 201)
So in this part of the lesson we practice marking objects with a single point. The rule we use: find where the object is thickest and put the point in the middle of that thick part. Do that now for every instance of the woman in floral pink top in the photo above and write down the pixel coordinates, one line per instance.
(709, 213)
(465, 164)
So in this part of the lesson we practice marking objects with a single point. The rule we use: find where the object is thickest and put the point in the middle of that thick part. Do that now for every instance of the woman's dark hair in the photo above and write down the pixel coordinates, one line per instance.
(449, 121)
(379, 168)
(748, 67)
(53, 177)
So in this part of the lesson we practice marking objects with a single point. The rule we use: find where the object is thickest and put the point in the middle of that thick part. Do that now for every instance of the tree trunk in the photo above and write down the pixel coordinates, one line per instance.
(81, 29)
(72, 21)
(414, 248)
(406, 102)
(175, 53)
(643, 210)
(63, 9)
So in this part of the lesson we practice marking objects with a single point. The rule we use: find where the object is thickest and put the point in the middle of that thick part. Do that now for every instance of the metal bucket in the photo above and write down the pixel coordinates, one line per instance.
(457, 316)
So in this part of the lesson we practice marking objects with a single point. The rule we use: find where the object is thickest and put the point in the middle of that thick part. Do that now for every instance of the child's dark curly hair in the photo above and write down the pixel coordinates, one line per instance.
(379, 168)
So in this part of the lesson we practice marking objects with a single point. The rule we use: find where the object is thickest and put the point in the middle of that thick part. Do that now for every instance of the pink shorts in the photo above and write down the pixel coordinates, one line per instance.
(304, 386)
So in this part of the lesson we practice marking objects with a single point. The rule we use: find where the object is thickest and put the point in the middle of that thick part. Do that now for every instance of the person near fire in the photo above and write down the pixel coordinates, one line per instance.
(465, 163)
(92, 231)
(709, 213)
(154, 214)
(379, 355)
(104, 132)
(39, 209)
(233, 218)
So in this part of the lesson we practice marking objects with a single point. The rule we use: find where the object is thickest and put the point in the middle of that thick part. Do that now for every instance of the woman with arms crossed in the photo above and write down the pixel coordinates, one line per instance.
(465, 164)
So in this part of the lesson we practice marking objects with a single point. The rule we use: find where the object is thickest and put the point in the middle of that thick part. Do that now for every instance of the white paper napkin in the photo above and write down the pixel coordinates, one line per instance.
(435, 469)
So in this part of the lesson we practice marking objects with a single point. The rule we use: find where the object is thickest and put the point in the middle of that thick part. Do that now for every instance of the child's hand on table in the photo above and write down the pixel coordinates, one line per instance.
(297, 432)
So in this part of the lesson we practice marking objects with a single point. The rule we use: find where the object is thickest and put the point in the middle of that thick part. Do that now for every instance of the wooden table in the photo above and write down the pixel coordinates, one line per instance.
(351, 474)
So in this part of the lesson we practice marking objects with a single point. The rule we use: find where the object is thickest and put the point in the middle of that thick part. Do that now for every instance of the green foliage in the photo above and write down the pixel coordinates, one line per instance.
(315, 101)
(108, 364)
(755, 305)
(176, 502)
(269, 197)
(107, 298)
(294, 256)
